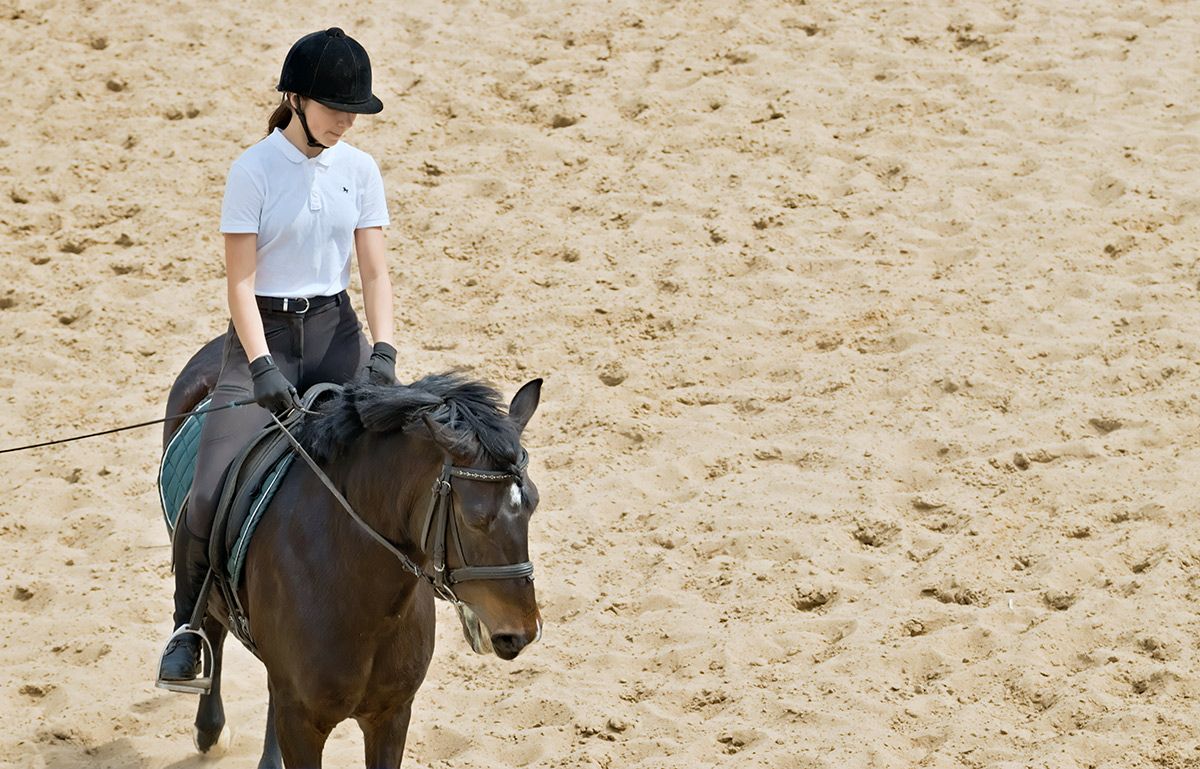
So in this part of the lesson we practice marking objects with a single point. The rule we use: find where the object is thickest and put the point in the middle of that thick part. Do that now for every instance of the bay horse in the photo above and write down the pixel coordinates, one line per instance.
(343, 626)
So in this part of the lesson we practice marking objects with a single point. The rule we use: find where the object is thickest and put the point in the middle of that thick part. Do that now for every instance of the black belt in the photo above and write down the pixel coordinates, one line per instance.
(297, 306)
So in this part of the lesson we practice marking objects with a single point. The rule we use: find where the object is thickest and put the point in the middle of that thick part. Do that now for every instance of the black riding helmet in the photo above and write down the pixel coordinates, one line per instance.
(331, 68)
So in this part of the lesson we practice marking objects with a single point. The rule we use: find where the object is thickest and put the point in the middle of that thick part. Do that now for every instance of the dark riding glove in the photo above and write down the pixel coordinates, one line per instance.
(381, 367)
(272, 390)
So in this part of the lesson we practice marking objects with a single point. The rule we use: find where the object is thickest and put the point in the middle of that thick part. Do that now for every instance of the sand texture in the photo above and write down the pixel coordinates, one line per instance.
(869, 328)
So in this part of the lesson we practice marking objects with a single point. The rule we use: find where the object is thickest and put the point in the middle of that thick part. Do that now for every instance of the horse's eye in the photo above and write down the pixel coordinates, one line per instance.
(477, 511)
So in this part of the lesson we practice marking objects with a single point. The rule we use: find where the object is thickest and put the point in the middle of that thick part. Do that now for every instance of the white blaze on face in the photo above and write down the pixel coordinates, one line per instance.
(514, 496)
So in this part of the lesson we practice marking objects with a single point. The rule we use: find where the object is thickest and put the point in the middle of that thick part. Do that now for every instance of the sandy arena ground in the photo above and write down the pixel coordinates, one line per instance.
(871, 347)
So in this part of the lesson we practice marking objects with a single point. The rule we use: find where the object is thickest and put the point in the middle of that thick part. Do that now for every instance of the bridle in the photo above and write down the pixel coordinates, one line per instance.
(439, 523)
(442, 526)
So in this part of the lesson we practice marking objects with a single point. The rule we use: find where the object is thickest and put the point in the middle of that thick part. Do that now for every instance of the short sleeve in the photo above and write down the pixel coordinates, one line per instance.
(372, 202)
(241, 210)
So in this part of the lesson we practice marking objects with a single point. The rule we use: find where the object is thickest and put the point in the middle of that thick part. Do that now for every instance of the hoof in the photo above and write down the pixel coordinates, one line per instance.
(210, 746)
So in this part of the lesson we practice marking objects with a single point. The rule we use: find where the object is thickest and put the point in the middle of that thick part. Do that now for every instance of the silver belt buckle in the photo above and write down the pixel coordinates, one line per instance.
(286, 308)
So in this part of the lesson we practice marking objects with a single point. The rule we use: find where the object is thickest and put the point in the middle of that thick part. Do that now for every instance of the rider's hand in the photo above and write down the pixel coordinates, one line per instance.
(272, 390)
(381, 367)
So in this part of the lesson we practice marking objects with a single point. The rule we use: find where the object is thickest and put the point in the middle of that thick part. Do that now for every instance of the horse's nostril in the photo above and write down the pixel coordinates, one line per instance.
(508, 645)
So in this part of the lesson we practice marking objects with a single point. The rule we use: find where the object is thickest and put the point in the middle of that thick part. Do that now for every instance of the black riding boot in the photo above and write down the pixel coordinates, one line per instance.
(181, 659)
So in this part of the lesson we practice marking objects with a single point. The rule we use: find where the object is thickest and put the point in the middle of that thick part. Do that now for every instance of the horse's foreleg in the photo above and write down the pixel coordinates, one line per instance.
(385, 737)
(301, 742)
(210, 715)
(271, 759)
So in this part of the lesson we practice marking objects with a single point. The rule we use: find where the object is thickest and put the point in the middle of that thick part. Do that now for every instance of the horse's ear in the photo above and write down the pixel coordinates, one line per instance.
(524, 403)
(449, 440)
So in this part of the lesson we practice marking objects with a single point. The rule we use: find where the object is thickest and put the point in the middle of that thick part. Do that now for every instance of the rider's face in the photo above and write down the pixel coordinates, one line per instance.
(327, 125)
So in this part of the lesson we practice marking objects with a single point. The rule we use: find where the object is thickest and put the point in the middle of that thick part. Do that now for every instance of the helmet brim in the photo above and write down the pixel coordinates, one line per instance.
(371, 106)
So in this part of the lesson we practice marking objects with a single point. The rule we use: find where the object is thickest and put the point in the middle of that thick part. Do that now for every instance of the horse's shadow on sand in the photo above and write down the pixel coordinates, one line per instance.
(118, 754)
(69, 754)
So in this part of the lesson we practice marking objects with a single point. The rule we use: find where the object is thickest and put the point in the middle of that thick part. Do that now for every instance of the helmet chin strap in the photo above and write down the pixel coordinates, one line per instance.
(312, 142)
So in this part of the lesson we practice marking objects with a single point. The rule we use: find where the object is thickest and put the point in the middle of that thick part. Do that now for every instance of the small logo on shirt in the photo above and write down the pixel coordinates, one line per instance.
(344, 189)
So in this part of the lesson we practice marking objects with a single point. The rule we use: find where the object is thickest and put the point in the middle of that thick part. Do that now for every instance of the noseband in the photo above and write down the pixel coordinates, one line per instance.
(442, 525)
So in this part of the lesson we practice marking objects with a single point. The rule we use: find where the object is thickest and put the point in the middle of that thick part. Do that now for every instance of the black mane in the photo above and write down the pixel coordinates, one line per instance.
(474, 410)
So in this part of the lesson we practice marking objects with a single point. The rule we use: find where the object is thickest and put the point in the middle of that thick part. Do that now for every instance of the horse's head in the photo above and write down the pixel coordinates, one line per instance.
(483, 545)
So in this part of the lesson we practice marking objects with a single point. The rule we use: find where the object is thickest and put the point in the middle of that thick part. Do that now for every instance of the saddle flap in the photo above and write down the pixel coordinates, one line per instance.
(251, 482)
(244, 483)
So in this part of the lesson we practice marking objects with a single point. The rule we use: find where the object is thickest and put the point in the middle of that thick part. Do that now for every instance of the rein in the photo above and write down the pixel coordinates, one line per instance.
(438, 518)
(184, 415)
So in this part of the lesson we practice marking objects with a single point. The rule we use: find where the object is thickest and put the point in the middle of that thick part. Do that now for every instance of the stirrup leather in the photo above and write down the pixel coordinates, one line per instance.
(202, 684)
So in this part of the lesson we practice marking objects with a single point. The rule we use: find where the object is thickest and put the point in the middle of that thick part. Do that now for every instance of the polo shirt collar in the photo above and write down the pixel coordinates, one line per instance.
(293, 153)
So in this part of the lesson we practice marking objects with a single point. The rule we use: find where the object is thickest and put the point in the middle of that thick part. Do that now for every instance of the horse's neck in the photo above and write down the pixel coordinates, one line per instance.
(388, 480)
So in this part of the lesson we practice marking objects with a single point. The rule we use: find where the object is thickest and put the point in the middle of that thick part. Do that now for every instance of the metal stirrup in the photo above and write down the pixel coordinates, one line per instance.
(199, 685)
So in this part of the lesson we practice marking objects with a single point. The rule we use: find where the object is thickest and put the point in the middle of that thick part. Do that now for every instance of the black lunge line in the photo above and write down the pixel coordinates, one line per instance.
(184, 415)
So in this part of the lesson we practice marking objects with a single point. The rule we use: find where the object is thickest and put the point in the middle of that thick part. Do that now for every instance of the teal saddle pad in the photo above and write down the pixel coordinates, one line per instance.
(178, 466)
(175, 475)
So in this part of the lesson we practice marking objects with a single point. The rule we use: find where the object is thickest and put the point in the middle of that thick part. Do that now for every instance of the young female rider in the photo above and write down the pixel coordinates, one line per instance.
(295, 206)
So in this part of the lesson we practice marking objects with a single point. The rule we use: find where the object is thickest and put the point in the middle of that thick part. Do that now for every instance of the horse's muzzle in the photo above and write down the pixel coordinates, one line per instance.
(506, 646)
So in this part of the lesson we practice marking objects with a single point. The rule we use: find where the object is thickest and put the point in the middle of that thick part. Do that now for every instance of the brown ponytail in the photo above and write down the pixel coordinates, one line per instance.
(280, 117)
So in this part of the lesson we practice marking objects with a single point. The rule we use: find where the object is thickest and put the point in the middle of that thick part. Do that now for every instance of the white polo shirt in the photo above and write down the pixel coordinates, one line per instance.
(304, 211)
